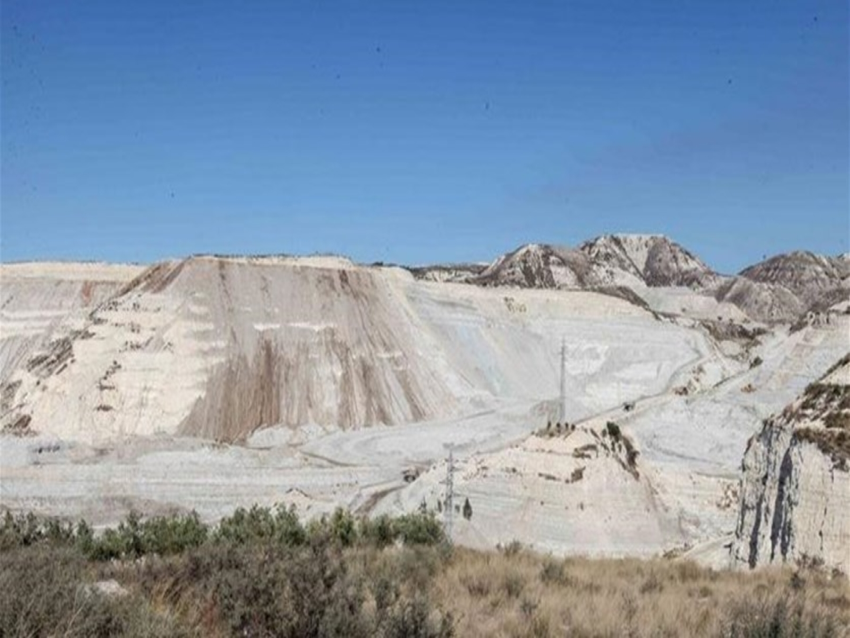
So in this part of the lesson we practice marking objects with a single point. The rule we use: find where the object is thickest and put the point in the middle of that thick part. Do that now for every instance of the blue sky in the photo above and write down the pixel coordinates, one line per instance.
(420, 132)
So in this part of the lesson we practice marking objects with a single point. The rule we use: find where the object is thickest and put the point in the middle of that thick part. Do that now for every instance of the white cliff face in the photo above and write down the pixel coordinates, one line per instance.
(795, 488)
(577, 491)
(816, 509)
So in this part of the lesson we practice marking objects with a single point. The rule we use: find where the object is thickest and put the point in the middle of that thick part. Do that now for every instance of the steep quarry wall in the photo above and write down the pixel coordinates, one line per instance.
(305, 344)
(565, 492)
(795, 489)
(220, 347)
(35, 298)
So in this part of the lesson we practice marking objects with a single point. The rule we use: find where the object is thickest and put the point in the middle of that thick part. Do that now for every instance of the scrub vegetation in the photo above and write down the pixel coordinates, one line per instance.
(261, 572)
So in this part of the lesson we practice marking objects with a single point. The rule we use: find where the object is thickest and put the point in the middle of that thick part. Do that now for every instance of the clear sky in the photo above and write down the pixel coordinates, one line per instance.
(422, 131)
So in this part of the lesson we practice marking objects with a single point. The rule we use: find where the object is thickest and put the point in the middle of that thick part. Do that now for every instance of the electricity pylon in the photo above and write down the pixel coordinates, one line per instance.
(562, 407)
(448, 512)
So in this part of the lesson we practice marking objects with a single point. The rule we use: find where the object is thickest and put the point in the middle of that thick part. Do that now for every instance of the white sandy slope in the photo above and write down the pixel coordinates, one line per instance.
(456, 363)
(394, 371)
(221, 347)
(37, 297)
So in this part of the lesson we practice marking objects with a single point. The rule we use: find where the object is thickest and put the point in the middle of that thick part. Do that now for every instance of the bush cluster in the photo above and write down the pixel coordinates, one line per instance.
(163, 535)
(283, 527)
(259, 572)
(170, 535)
(47, 591)
(318, 588)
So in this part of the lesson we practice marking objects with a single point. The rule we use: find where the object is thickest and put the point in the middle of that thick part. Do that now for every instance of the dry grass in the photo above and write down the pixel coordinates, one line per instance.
(524, 594)
(519, 594)
(323, 582)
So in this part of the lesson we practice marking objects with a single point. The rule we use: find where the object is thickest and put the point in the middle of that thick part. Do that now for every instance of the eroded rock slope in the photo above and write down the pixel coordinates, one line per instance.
(795, 490)
(220, 347)
(784, 288)
(607, 261)
(37, 297)
(787, 288)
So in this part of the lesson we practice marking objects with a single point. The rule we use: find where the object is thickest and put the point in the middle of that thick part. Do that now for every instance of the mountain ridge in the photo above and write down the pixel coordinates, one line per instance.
(783, 288)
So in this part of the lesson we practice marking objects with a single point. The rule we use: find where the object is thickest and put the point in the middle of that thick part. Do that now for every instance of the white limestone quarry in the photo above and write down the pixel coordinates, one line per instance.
(692, 444)
(65, 271)
(795, 489)
(681, 300)
(35, 298)
(565, 493)
(221, 347)
(690, 449)
(214, 382)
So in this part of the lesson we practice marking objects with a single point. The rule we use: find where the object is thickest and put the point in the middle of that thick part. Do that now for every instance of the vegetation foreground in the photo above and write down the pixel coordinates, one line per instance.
(261, 572)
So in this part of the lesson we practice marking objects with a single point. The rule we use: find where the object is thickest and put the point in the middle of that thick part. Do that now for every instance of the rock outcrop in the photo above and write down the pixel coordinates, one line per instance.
(608, 261)
(784, 288)
(651, 260)
(539, 266)
(805, 274)
(766, 302)
(447, 272)
(795, 489)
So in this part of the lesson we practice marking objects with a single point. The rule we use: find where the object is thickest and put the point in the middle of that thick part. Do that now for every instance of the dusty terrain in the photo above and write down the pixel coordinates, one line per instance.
(213, 382)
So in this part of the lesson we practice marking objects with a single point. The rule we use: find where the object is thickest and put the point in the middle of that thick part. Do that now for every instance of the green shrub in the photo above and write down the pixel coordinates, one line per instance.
(172, 535)
(262, 524)
(84, 538)
(245, 526)
(125, 542)
(378, 532)
(291, 592)
(343, 527)
(419, 528)
(24, 530)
